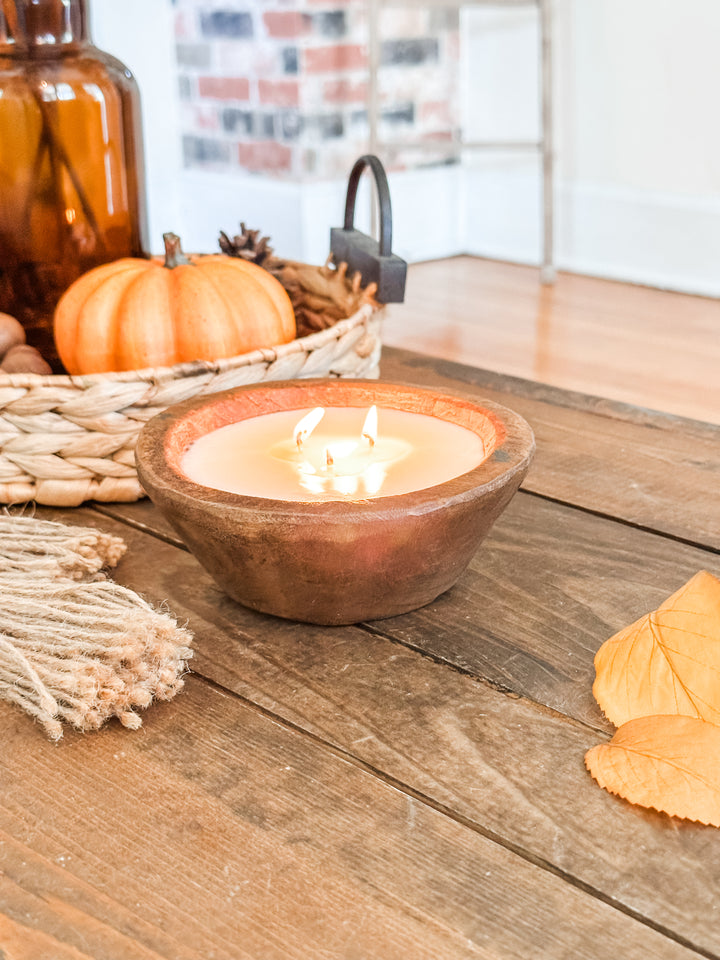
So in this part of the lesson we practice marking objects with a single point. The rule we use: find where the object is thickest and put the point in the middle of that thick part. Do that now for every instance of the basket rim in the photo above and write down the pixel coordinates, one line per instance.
(307, 344)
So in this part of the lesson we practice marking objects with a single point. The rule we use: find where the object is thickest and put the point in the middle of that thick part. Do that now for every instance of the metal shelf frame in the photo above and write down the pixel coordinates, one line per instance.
(544, 145)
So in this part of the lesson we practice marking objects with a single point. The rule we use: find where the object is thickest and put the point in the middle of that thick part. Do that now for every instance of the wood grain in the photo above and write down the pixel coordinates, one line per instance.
(19, 942)
(602, 456)
(412, 787)
(636, 344)
(504, 764)
(218, 832)
(546, 588)
(596, 454)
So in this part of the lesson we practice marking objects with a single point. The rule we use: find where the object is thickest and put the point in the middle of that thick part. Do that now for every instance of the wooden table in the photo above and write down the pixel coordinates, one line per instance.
(406, 789)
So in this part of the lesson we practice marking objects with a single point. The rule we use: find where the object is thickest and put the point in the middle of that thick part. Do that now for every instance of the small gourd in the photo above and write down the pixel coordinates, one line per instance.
(133, 313)
(12, 333)
(22, 358)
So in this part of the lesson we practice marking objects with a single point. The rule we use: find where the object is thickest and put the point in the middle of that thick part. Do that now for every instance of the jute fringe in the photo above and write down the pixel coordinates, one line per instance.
(76, 647)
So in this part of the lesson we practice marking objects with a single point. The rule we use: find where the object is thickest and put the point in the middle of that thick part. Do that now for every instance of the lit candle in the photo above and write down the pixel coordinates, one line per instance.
(326, 519)
(333, 453)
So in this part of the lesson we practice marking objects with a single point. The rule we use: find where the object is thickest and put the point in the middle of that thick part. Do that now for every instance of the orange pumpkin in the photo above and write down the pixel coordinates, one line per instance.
(134, 313)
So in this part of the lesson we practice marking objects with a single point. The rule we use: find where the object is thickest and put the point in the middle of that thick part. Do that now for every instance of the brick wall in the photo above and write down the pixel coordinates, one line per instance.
(280, 87)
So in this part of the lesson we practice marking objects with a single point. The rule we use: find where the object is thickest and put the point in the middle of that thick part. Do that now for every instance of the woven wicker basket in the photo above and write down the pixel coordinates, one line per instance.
(65, 440)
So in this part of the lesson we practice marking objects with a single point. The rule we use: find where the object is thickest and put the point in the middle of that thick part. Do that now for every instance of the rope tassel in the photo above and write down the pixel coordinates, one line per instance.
(76, 647)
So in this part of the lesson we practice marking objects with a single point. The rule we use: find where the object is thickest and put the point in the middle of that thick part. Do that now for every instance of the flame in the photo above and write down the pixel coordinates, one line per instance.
(370, 427)
(70, 215)
(350, 467)
(305, 426)
(339, 450)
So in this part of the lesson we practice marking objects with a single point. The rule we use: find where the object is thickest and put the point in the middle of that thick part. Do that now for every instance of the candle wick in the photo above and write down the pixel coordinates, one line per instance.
(370, 440)
(299, 440)
(328, 458)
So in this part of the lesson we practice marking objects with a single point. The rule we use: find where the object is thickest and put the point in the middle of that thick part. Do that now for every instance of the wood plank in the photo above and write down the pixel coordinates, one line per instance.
(601, 405)
(19, 942)
(653, 470)
(644, 346)
(218, 832)
(597, 454)
(143, 516)
(544, 590)
(502, 763)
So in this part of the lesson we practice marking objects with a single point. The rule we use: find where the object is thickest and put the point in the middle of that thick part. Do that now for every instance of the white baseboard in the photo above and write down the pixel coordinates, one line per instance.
(667, 241)
(660, 240)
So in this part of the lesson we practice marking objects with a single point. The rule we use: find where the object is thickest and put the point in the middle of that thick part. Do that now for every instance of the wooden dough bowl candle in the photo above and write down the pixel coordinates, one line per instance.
(319, 538)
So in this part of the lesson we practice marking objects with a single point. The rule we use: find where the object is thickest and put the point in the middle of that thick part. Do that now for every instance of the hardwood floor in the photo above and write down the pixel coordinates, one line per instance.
(648, 347)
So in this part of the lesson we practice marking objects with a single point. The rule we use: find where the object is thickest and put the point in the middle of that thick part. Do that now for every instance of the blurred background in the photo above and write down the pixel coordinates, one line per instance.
(255, 110)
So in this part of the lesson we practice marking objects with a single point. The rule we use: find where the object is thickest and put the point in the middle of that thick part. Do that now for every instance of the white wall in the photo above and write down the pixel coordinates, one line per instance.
(638, 147)
(140, 33)
(638, 143)
(638, 95)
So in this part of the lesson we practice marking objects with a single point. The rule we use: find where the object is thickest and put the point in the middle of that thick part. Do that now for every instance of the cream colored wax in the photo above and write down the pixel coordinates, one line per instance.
(260, 457)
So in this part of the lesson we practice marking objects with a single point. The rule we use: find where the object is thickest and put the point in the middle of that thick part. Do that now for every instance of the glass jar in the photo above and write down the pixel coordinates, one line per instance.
(71, 164)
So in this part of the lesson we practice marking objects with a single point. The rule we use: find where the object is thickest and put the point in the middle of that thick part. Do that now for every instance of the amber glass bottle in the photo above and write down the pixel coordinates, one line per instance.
(71, 165)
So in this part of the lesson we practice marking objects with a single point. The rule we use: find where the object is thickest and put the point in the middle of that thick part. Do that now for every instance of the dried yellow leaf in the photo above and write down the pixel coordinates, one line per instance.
(670, 763)
(668, 662)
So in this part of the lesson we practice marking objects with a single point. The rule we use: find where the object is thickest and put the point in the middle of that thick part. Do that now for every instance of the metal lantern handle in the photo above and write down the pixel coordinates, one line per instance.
(383, 193)
(375, 262)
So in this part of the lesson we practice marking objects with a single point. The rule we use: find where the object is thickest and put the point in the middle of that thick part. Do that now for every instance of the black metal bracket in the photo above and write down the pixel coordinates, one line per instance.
(374, 260)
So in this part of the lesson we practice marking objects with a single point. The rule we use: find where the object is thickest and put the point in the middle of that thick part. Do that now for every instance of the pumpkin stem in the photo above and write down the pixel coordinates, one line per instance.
(174, 256)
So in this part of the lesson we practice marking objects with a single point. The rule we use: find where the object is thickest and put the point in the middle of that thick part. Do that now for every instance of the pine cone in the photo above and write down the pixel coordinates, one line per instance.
(321, 295)
(247, 246)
